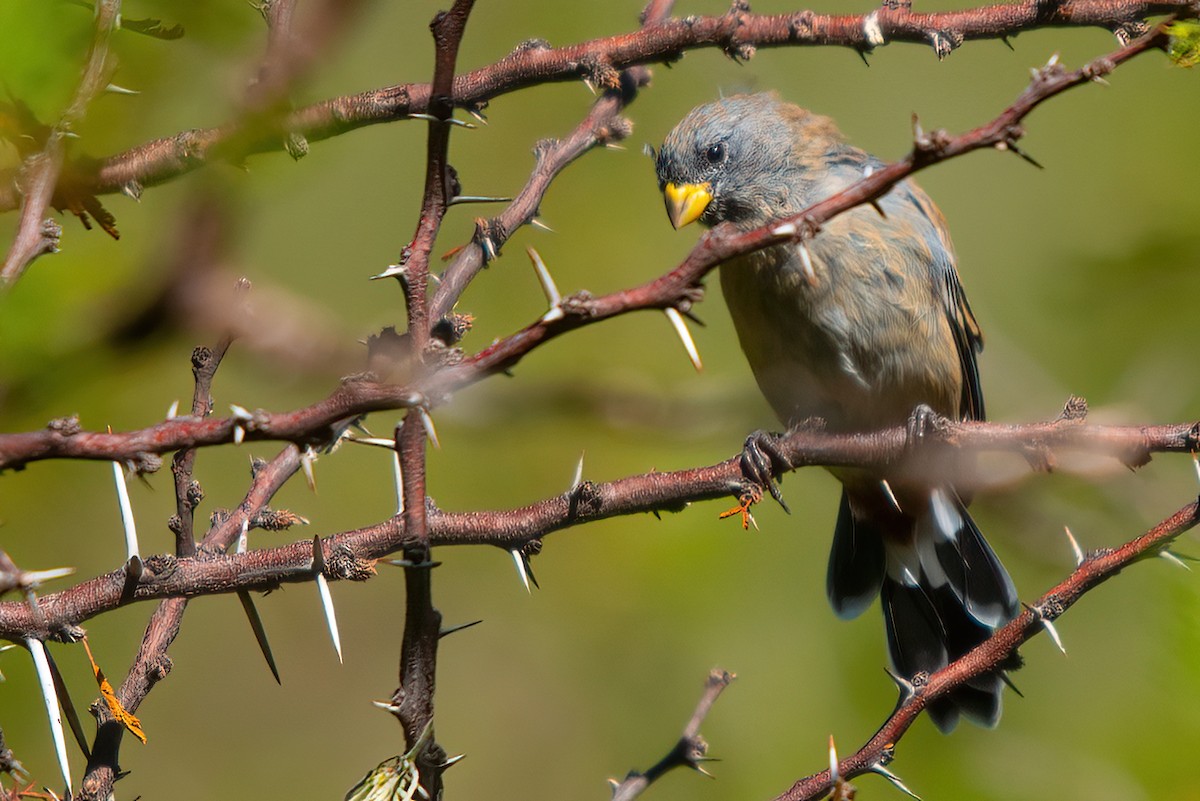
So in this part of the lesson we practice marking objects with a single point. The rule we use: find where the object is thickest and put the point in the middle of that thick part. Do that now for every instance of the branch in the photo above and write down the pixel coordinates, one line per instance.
(739, 33)
(36, 234)
(690, 751)
(350, 554)
(1095, 568)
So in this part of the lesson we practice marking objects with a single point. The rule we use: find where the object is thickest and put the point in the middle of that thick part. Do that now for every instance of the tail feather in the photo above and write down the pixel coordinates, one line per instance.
(943, 590)
(856, 563)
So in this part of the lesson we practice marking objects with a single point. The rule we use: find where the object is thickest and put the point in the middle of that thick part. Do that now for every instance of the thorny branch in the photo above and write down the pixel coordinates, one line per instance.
(679, 288)
(738, 33)
(1095, 569)
(350, 554)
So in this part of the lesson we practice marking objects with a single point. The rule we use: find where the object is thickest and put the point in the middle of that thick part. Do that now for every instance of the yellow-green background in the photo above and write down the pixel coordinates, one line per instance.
(1084, 276)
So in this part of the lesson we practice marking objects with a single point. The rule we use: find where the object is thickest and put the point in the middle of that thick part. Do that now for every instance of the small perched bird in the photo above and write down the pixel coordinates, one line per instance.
(868, 326)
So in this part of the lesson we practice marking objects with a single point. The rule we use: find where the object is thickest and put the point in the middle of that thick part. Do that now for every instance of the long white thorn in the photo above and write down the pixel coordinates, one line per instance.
(578, 475)
(241, 540)
(398, 478)
(1079, 557)
(173, 410)
(810, 275)
(549, 288)
(427, 422)
(330, 615)
(307, 459)
(519, 561)
(1196, 464)
(685, 336)
(834, 775)
(1174, 559)
(42, 665)
(1053, 632)
(894, 779)
(131, 540)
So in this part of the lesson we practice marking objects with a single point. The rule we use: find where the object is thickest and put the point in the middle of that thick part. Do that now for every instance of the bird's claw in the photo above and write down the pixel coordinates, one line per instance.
(922, 422)
(761, 459)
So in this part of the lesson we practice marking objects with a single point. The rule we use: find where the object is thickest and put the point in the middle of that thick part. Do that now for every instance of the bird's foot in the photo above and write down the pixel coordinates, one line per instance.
(922, 423)
(762, 459)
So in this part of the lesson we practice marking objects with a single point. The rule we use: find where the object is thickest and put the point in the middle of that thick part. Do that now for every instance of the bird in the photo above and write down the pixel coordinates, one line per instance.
(863, 327)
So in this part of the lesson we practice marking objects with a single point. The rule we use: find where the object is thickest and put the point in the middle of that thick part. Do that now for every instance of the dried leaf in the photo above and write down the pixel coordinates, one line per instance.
(125, 718)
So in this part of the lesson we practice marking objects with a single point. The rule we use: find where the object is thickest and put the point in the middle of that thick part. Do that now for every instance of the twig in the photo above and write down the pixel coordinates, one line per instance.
(36, 234)
(690, 751)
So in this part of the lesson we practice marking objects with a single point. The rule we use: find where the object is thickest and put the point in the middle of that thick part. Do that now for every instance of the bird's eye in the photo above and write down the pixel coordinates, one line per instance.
(715, 153)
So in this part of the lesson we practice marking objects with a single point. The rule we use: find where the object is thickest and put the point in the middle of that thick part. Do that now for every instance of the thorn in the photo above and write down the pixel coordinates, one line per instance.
(392, 270)
(588, 83)
(1174, 559)
(834, 775)
(427, 422)
(173, 410)
(1196, 464)
(386, 706)
(239, 434)
(1004, 677)
(307, 459)
(549, 288)
(894, 779)
(406, 564)
(241, 412)
(810, 275)
(906, 687)
(379, 442)
(260, 632)
(536, 223)
(398, 480)
(448, 121)
(887, 489)
(457, 199)
(68, 707)
(112, 88)
(452, 629)
(787, 229)
(454, 760)
(1008, 43)
(1049, 626)
(477, 114)
(50, 698)
(35, 578)
(1079, 555)
(685, 336)
(326, 597)
(578, 475)
(241, 545)
(524, 569)
(131, 540)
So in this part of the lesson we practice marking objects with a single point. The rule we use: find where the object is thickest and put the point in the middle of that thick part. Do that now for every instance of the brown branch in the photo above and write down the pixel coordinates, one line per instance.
(37, 235)
(690, 751)
(151, 664)
(598, 60)
(1095, 569)
(349, 554)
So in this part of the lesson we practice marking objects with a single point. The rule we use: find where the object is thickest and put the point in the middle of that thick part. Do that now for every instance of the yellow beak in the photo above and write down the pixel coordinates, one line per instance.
(686, 202)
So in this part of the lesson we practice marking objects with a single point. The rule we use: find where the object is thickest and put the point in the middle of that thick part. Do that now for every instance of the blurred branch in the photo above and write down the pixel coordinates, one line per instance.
(35, 185)
(350, 554)
(690, 751)
(599, 61)
(1095, 568)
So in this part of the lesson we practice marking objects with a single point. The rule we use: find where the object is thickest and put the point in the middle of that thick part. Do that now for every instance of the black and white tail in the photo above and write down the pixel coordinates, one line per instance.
(942, 588)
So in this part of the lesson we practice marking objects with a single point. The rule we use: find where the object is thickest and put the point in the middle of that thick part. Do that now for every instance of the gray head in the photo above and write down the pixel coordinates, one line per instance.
(741, 159)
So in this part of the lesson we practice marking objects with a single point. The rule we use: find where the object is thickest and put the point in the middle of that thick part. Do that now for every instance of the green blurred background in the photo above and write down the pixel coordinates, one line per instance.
(1084, 276)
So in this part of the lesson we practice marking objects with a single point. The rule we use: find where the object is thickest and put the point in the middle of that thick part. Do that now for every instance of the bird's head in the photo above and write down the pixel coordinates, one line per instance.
(741, 159)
